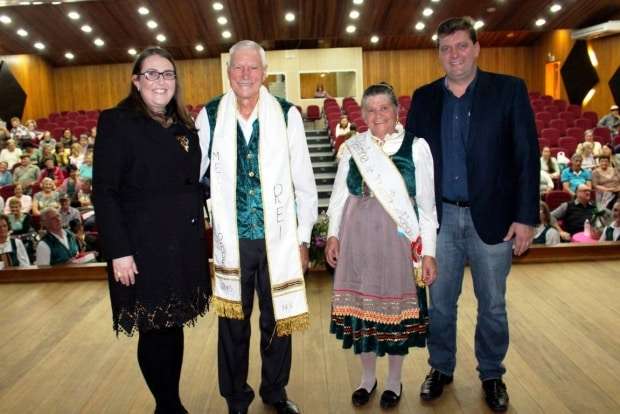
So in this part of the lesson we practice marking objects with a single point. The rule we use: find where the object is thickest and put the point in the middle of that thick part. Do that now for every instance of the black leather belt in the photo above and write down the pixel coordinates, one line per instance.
(457, 203)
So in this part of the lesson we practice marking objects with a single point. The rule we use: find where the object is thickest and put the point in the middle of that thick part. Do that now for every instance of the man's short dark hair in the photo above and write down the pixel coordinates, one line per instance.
(466, 23)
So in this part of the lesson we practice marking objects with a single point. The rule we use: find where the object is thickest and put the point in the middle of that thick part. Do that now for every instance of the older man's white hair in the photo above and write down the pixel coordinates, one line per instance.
(248, 44)
(46, 213)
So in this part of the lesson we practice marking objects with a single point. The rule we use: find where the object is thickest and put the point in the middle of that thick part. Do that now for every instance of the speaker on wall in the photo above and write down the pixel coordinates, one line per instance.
(578, 74)
(12, 96)
(614, 86)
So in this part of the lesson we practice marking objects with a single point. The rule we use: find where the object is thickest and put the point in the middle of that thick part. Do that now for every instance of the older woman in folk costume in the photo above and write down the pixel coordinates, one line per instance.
(264, 204)
(382, 233)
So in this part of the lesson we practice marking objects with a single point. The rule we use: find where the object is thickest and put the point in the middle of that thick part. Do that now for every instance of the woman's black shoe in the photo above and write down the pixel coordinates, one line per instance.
(361, 395)
(389, 399)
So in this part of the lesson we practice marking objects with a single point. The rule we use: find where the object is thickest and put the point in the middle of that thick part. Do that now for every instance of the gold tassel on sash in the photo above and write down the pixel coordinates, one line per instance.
(227, 309)
(296, 323)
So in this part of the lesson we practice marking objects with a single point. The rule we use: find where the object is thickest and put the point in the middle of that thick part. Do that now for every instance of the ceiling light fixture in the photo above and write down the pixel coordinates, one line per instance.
(56, 3)
(478, 25)
(419, 26)
(86, 28)
(226, 34)
(5, 19)
(354, 14)
(358, 1)
(98, 42)
(540, 22)
(289, 17)
(161, 37)
(222, 20)
(39, 45)
(427, 12)
(199, 47)
(435, 1)
(143, 11)
(435, 37)
(73, 15)
(555, 8)
(69, 55)
(132, 51)
(374, 39)
(152, 24)
(351, 29)
(218, 6)
(21, 32)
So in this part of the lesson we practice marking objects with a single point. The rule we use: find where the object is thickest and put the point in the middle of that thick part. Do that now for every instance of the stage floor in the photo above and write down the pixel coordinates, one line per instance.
(58, 353)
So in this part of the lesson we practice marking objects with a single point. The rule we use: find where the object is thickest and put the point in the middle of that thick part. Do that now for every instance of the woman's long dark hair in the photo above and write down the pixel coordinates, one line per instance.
(550, 166)
(175, 109)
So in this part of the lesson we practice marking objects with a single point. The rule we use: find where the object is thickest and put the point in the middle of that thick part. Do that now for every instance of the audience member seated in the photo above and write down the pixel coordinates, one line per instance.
(343, 127)
(92, 136)
(86, 169)
(29, 149)
(608, 151)
(588, 136)
(606, 182)
(77, 156)
(545, 233)
(352, 132)
(588, 162)
(26, 173)
(12, 250)
(57, 246)
(62, 155)
(320, 92)
(19, 222)
(574, 213)
(68, 213)
(84, 143)
(573, 176)
(72, 184)
(47, 140)
(46, 198)
(84, 194)
(546, 183)
(549, 164)
(24, 199)
(67, 138)
(611, 120)
(6, 178)
(612, 231)
(19, 133)
(11, 154)
(4, 132)
(50, 170)
(35, 134)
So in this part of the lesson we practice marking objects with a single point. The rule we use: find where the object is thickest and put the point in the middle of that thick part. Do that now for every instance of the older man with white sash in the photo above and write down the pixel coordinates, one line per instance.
(264, 204)
(382, 234)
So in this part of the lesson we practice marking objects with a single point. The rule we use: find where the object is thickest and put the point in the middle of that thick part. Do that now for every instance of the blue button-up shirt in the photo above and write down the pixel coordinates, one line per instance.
(455, 116)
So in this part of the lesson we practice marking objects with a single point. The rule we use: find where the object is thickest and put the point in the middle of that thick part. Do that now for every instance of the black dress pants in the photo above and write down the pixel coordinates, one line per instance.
(234, 337)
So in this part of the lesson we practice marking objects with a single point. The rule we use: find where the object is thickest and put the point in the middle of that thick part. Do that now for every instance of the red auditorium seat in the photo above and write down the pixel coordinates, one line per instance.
(575, 132)
(543, 142)
(554, 198)
(602, 140)
(57, 132)
(63, 113)
(555, 150)
(603, 132)
(547, 99)
(553, 110)
(81, 112)
(539, 126)
(558, 124)
(583, 123)
(92, 114)
(70, 124)
(544, 116)
(340, 139)
(53, 116)
(561, 104)
(569, 117)
(89, 123)
(362, 128)
(570, 143)
(72, 115)
(7, 191)
(592, 116)
(533, 94)
(617, 140)
(576, 109)
(80, 129)
(538, 106)
(552, 135)
(313, 113)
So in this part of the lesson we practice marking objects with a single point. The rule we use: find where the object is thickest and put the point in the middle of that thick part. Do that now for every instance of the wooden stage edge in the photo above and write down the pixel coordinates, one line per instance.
(569, 252)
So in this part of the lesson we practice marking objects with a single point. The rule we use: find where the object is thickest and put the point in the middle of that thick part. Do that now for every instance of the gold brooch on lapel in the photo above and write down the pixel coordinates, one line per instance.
(183, 142)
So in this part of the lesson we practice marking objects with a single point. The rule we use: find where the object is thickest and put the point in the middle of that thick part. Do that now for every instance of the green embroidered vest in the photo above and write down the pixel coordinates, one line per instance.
(609, 234)
(250, 220)
(403, 161)
(59, 254)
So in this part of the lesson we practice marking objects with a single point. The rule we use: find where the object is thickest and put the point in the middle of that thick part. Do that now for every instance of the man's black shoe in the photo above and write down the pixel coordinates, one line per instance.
(285, 407)
(495, 394)
(432, 387)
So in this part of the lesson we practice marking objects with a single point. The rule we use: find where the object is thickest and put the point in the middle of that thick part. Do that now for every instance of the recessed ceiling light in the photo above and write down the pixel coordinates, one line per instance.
(427, 11)
(222, 20)
(98, 42)
(151, 24)
(5, 19)
(39, 45)
(289, 17)
(555, 8)
(354, 14)
(161, 37)
(419, 26)
(540, 22)
(478, 24)
(218, 6)
(510, 35)
(491, 10)
(435, 37)
(36, 3)
(86, 28)
(21, 32)
(143, 11)
(351, 29)
(226, 34)
(132, 51)
(69, 55)
(435, 1)
(24, 3)
(374, 39)
(358, 1)
(199, 47)
(56, 3)
(73, 15)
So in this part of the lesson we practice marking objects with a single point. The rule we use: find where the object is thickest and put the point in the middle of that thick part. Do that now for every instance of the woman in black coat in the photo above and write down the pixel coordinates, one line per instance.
(149, 209)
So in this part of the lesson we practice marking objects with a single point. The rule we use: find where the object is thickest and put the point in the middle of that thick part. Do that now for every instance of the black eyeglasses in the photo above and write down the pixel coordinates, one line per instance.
(153, 75)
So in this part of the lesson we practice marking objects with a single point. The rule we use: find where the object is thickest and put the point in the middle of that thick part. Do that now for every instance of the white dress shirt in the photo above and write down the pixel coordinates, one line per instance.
(302, 175)
(615, 234)
(425, 191)
(22, 255)
(44, 253)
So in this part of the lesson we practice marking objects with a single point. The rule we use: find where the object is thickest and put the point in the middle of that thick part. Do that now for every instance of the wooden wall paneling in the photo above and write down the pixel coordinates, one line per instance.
(36, 78)
(201, 79)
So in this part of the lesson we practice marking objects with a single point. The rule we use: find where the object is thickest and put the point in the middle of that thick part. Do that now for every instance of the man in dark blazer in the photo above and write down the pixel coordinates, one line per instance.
(482, 134)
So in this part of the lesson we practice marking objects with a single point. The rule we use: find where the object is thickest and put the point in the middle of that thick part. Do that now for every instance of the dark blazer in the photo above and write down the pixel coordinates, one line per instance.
(503, 166)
